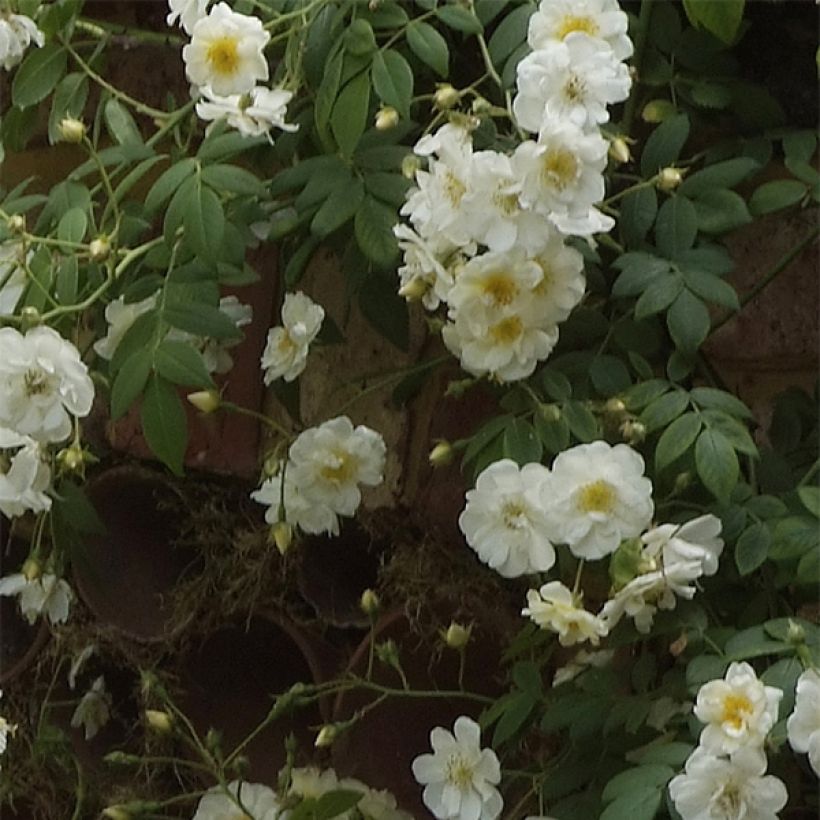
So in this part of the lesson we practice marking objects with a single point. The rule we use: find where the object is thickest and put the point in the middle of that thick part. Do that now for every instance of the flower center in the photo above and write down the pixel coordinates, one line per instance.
(558, 168)
(507, 330)
(501, 288)
(735, 710)
(459, 772)
(223, 55)
(506, 203)
(571, 22)
(36, 382)
(729, 802)
(454, 189)
(338, 468)
(574, 89)
(514, 514)
(597, 497)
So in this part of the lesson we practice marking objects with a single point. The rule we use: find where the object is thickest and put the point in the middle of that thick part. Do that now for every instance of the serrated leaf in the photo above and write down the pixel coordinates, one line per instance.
(716, 464)
(393, 80)
(676, 226)
(429, 46)
(663, 410)
(714, 399)
(637, 216)
(719, 211)
(712, 288)
(181, 363)
(632, 780)
(776, 195)
(201, 320)
(169, 183)
(129, 383)
(232, 178)
(810, 498)
(72, 225)
(659, 295)
(164, 424)
(204, 222)
(69, 101)
(676, 439)
(515, 713)
(374, 232)
(349, 116)
(554, 435)
(641, 804)
(38, 74)
(724, 174)
(460, 19)
(120, 123)
(752, 548)
(582, 423)
(688, 322)
(337, 209)
(510, 33)
(609, 375)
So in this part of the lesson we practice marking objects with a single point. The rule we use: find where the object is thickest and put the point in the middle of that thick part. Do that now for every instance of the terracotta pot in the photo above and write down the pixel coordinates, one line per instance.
(126, 574)
(379, 749)
(230, 683)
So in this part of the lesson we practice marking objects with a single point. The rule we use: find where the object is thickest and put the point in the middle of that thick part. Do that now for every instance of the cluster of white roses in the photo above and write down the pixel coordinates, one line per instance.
(488, 228)
(263, 803)
(224, 60)
(17, 33)
(596, 500)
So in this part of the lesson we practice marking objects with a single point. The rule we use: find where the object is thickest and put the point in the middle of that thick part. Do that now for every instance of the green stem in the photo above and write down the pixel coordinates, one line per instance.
(244, 411)
(631, 106)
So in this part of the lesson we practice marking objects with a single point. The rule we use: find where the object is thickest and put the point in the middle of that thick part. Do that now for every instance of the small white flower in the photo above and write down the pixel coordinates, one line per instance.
(42, 381)
(120, 316)
(562, 284)
(188, 12)
(13, 278)
(739, 710)
(375, 804)
(302, 512)
(503, 521)
(575, 80)
(424, 269)
(285, 354)
(93, 710)
(226, 52)
(554, 607)
(244, 800)
(596, 496)
(460, 777)
(803, 725)
(253, 114)
(716, 788)
(310, 782)
(697, 540)
(600, 19)
(582, 660)
(25, 478)
(329, 462)
(17, 33)
(47, 595)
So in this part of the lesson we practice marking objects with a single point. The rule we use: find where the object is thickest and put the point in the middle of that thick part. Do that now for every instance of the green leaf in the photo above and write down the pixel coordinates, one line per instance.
(385, 310)
(334, 803)
(349, 116)
(393, 80)
(640, 395)
(327, 93)
(67, 281)
(752, 548)
(38, 74)
(688, 322)
(234, 179)
(298, 263)
(773, 196)
(712, 288)
(169, 183)
(676, 226)
(388, 188)
(716, 464)
(69, 101)
(719, 211)
(181, 363)
(800, 145)
(711, 95)
(359, 38)
(554, 435)
(810, 498)
(793, 537)
(429, 46)
(521, 443)
(218, 147)
(121, 124)
(515, 714)
(676, 439)
(137, 337)
(632, 780)
(204, 222)
(714, 399)
(164, 424)
(510, 33)
(460, 19)
(659, 295)
(663, 410)
(664, 144)
(734, 430)
(753, 643)
(374, 232)
(555, 384)
(582, 423)
(484, 435)
(337, 209)
(638, 212)
(609, 375)
(639, 271)
(719, 17)
(129, 382)
(808, 568)
(388, 14)
(72, 226)
(641, 804)
(201, 320)
(724, 174)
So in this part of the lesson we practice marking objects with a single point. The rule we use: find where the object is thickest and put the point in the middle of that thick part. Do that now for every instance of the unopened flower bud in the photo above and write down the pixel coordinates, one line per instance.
(657, 111)
(271, 466)
(481, 106)
(633, 432)
(148, 682)
(669, 178)
(16, 223)
(409, 165)
(159, 721)
(369, 602)
(445, 97)
(30, 316)
(457, 636)
(387, 652)
(615, 407)
(459, 387)
(441, 455)
(387, 118)
(116, 813)
(414, 289)
(32, 569)
(327, 734)
(550, 412)
(73, 459)
(121, 758)
(213, 740)
(206, 401)
(683, 481)
(619, 151)
(99, 249)
(241, 766)
(71, 129)
(795, 633)
(282, 535)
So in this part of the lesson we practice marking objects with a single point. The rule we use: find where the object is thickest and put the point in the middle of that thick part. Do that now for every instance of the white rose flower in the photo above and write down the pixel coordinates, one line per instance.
(375, 804)
(555, 608)
(329, 462)
(6, 729)
(503, 521)
(42, 381)
(717, 788)
(285, 354)
(47, 595)
(600, 19)
(120, 316)
(93, 710)
(739, 710)
(226, 52)
(697, 540)
(596, 496)
(17, 33)
(562, 284)
(803, 725)
(252, 114)
(309, 516)
(13, 278)
(188, 12)
(460, 777)
(310, 782)
(562, 177)
(575, 80)
(244, 800)
(423, 270)
(215, 353)
(25, 480)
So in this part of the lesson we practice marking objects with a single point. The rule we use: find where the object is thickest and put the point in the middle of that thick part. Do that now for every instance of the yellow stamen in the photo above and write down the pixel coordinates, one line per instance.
(223, 55)
(559, 168)
(507, 330)
(735, 710)
(500, 287)
(597, 497)
(571, 22)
